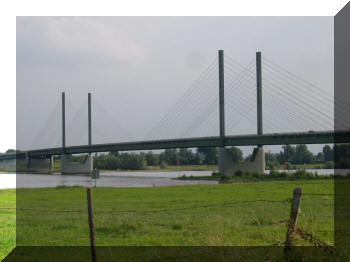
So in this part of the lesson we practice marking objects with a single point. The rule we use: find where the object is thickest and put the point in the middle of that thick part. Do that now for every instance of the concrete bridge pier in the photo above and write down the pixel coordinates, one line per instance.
(38, 164)
(27, 164)
(8, 164)
(76, 168)
(256, 163)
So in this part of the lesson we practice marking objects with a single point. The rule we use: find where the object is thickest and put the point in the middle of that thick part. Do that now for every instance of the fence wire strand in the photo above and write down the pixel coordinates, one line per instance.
(302, 233)
(225, 204)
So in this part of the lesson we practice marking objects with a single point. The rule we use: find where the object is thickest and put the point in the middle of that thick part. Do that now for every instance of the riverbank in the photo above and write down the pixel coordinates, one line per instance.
(227, 214)
(239, 176)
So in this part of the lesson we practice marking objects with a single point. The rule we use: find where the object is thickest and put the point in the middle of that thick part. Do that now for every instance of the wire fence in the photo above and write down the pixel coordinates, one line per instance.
(224, 204)
(289, 222)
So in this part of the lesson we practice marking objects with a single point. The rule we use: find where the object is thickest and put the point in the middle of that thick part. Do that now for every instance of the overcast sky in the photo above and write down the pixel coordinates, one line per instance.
(138, 67)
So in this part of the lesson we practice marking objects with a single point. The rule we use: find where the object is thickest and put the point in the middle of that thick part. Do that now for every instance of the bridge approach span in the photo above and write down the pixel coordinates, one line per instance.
(325, 137)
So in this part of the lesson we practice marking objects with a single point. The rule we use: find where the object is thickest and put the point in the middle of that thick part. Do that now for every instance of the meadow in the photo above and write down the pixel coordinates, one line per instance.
(247, 214)
(7, 221)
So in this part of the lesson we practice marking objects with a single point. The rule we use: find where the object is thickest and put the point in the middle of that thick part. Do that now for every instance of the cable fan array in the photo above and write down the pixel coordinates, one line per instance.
(290, 104)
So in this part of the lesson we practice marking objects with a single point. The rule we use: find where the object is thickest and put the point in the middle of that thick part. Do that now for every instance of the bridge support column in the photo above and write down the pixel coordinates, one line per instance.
(256, 163)
(39, 164)
(28, 164)
(8, 164)
(72, 168)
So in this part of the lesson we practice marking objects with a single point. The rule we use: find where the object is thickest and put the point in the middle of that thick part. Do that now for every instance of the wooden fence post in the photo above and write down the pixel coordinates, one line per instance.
(91, 226)
(293, 220)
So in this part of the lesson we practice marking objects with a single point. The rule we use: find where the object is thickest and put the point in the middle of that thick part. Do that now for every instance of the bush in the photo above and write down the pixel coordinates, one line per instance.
(247, 174)
(329, 165)
(239, 173)
(273, 173)
(256, 174)
(163, 165)
(301, 173)
(225, 177)
(289, 166)
(271, 164)
(283, 174)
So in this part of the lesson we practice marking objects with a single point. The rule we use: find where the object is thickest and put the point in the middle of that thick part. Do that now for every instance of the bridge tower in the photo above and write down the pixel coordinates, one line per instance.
(66, 166)
(257, 161)
(259, 152)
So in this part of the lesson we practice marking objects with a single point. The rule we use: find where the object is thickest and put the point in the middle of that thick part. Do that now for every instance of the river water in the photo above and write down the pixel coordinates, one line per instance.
(107, 179)
(117, 179)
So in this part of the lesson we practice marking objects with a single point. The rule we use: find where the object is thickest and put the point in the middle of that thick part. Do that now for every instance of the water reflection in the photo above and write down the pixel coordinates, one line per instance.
(108, 179)
(118, 179)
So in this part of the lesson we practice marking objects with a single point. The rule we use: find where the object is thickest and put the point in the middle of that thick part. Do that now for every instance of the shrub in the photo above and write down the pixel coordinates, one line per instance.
(256, 174)
(283, 174)
(273, 173)
(247, 174)
(215, 174)
(271, 164)
(329, 165)
(163, 165)
(289, 165)
(225, 177)
(239, 173)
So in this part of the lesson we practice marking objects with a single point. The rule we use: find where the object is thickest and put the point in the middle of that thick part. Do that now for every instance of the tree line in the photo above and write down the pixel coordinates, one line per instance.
(300, 154)
(289, 155)
(138, 161)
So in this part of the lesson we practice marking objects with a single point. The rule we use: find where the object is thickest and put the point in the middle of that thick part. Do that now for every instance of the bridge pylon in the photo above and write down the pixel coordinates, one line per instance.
(257, 161)
(66, 166)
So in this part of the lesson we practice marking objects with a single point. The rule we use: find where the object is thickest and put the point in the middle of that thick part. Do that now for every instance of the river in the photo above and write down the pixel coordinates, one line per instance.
(107, 179)
(116, 179)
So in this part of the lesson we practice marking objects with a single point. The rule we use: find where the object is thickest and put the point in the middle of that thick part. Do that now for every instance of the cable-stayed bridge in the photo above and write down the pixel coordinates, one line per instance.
(228, 105)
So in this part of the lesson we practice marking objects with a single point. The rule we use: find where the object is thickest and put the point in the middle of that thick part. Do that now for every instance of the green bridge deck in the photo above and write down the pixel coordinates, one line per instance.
(325, 137)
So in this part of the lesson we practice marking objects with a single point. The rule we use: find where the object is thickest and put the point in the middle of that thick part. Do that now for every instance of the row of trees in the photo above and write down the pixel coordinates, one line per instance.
(202, 156)
(124, 161)
(137, 161)
(298, 154)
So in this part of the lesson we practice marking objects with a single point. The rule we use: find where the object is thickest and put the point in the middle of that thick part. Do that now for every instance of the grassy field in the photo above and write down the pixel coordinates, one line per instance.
(250, 214)
(7, 222)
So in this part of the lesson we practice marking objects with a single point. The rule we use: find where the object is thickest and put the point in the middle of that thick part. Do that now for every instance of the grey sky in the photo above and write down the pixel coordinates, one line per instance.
(138, 67)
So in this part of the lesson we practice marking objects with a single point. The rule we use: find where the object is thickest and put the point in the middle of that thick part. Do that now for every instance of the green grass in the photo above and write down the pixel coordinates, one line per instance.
(241, 223)
(187, 215)
(57, 166)
(7, 222)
